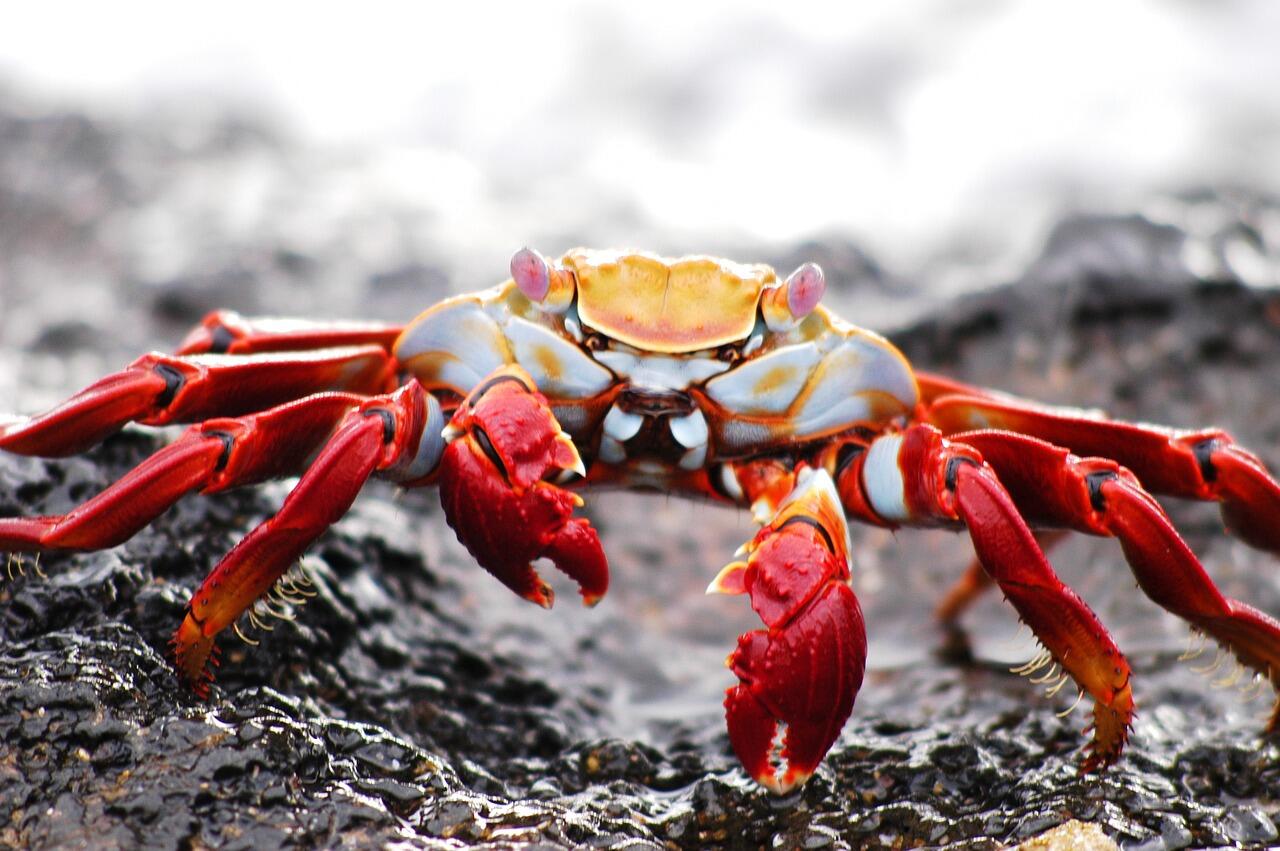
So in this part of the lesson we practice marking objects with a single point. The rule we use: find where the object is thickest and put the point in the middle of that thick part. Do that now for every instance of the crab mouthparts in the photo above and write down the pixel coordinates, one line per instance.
(655, 403)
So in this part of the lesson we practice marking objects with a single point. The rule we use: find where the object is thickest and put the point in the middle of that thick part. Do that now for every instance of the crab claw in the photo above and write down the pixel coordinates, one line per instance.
(805, 669)
(504, 444)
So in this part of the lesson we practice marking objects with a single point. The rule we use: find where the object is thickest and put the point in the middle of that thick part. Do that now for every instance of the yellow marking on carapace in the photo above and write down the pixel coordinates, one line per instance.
(548, 362)
(428, 367)
(774, 379)
(667, 305)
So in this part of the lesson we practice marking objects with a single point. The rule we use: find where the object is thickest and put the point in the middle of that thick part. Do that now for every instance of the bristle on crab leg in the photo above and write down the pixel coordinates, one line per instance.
(1053, 690)
(1197, 641)
(1044, 657)
(1044, 678)
(1230, 679)
(1256, 685)
(1072, 708)
(289, 603)
(246, 639)
(1213, 666)
(16, 562)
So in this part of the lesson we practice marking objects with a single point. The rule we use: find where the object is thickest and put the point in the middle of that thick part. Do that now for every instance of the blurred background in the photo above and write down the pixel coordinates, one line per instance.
(944, 138)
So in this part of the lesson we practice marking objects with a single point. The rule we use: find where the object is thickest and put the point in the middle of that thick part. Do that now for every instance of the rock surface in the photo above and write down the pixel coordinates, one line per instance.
(414, 701)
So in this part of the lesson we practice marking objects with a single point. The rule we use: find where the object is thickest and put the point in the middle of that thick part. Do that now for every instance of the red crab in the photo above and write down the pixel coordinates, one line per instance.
(696, 376)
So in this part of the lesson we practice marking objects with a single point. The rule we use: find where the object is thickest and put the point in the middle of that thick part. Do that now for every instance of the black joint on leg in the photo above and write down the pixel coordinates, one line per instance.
(953, 469)
(228, 440)
(846, 455)
(809, 521)
(388, 423)
(191, 613)
(1203, 452)
(486, 446)
(475, 395)
(173, 381)
(1095, 481)
(220, 340)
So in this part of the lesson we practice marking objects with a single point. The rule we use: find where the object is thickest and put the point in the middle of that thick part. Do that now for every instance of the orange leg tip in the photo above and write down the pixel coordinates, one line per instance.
(193, 656)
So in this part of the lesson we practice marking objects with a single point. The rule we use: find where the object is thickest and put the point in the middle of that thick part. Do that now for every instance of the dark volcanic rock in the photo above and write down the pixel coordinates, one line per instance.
(413, 700)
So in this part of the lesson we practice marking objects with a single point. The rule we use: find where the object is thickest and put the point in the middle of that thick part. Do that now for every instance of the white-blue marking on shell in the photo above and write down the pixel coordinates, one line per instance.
(461, 342)
(768, 384)
(818, 386)
(467, 339)
(575, 375)
(846, 374)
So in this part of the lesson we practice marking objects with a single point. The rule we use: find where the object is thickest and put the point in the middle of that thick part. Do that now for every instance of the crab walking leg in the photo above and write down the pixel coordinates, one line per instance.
(805, 668)
(159, 389)
(1099, 497)
(212, 456)
(975, 581)
(227, 332)
(389, 433)
(917, 478)
(1204, 465)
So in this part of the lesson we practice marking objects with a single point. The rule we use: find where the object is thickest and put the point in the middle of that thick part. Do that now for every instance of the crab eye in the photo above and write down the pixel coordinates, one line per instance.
(595, 342)
(786, 305)
(549, 287)
(729, 354)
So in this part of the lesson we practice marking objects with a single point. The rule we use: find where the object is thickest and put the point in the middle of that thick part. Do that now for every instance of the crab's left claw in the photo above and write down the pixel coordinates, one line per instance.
(805, 669)
(504, 446)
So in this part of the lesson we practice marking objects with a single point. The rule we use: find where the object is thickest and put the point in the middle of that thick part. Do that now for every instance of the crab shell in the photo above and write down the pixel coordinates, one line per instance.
(724, 336)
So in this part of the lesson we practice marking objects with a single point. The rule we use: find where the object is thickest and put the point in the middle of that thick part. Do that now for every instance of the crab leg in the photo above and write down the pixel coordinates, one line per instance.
(382, 433)
(212, 456)
(159, 389)
(227, 332)
(918, 478)
(1203, 465)
(804, 670)
(1099, 497)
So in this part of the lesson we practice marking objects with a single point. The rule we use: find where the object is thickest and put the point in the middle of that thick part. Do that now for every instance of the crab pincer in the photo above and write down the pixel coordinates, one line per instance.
(504, 445)
(804, 670)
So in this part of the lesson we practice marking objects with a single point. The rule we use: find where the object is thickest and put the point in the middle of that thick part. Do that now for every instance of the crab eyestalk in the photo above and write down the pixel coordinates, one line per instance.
(786, 305)
(548, 286)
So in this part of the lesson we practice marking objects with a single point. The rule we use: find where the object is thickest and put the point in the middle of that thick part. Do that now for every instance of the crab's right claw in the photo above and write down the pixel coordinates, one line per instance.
(504, 445)
(805, 669)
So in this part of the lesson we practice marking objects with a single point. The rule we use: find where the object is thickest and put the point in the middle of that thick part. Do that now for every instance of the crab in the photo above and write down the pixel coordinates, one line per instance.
(695, 376)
